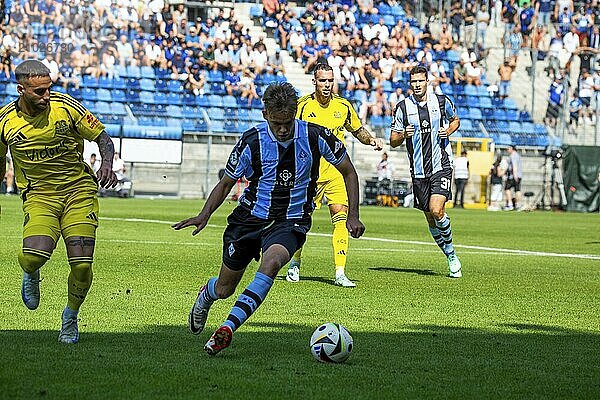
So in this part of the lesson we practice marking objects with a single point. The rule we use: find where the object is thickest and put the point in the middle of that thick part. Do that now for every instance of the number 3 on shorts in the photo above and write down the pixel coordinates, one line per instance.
(445, 183)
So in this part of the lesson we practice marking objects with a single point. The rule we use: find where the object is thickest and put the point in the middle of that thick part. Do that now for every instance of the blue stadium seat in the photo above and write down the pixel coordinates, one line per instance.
(133, 71)
(189, 111)
(118, 108)
(524, 116)
(174, 111)
(528, 127)
(256, 115)
(119, 83)
(502, 126)
(462, 112)
(200, 124)
(471, 90)
(453, 56)
(499, 114)
(504, 139)
(132, 96)
(473, 101)
(459, 89)
(113, 130)
(466, 125)
(510, 103)
(488, 113)
(542, 141)
(89, 81)
(257, 103)
(189, 99)
(244, 125)
(229, 101)
(218, 126)
(89, 94)
(446, 88)
(104, 95)
(11, 89)
(147, 84)
(105, 83)
(376, 121)
(188, 125)
(57, 88)
(71, 91)
(243, 114)
(384, 9)
(102, 107)
(230, 112)
(515, 127)
(133, 83)
(161, 85)
(118, 95)
(145, 121)
(147, 97)
(175, 98)
(162, 73)
(174, 122)
(217, 88)
(398, 11)
(121, 71)
(485, 102)
(231, 126)
(540, 130)
(475, 113)
(202, 101)
(215, 101)
(160, 98)
(482, 91)
(216, 113)
(256, 11)
(511, 114)
(388, 20)
(160, 110)
(460, 100)
(158, 121)
(148, 72)
(175, 86)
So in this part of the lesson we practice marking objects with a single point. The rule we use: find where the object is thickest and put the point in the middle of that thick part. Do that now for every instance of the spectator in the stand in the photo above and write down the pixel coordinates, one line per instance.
(383, 33)
(594, 41)
(381, 106)
(562, 6)
(284, 30)
(118, 167)
(483, 20)
(563, 20)
(575, 112)
(94, 163)
(527, 22)
(469, 25)
(222, 57)
(460, 73)
(555, 101)
(125, 51)
(555, 50)
(583, 21)
(515, 42)
(107, 67)
(571, 43)
(385, 168)
(297, 43)
(52, 65)
(509, 16)
(445, 42)
(586, 91)
(247, 87)
(275, 64)
(437, 73)
(67, 75)
(345, 14)
(461, 177)
(369, 31)
(474, 73)
(270, 9)
(232, 82)
(456, 20)
(505, 72)
(425, 56)
(6, 64)
(196, 80)
(586, 56)
(396, 96)
(310, 54)
(544, 10)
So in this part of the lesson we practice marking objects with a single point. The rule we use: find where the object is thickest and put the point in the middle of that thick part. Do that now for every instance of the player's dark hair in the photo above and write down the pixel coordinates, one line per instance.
(280, 97)
(418, 70)
(321, 67)
(29, 69)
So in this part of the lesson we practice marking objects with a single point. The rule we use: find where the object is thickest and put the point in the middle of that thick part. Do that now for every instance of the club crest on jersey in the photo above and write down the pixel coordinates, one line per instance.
(337, 114)
(233, 159)
(61, 128)
(302, 156)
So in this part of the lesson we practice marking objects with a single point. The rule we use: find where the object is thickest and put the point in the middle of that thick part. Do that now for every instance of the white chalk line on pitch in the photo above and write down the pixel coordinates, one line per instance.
(485, 250)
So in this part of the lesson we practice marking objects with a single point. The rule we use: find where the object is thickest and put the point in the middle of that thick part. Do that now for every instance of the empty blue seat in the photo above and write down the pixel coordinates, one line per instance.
(376, 121)
(132, 96)
(189, 99)
(174, 111)
(482, 91)
(215, 76)
(160, 98)
(229, 101)
(511, 114)
(475, 113)
(488, 113)
(121, 71)
(510, 103)
(147, 84)
(460, 100)
(504, 139)
(471, 90)
(215, 100)
(485, 102)
(147, 97)
(146, 121)
(462, 112)
(89, 94)
(174, 86)
(174, 98)
(243, 114)
(473, 101)
(502, 126)
(133, 83)
(175, 122)
(89, 81)
(466, 125)
(446, 88)
(133, 71)
(118, 95)
(540, 129)
(113, 130)
(102, 107)
(103, 95)
(188, 125)
(73, 92)
(528, 127)
(57, 88)
(499, 114)
(202, 101)
(90, 105)
(147, 72)
(218, 126)
(119, 83)
(515, 127)
(161, 85)
(118, 108)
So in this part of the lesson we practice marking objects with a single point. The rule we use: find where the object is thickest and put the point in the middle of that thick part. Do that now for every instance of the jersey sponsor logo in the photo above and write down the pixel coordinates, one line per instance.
(91, 120)
(47, 152)
(285, 179)
(61, 128)
(312, 115)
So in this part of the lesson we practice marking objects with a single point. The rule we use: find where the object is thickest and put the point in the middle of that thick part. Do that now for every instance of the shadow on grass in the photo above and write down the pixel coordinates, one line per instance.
(426, 361)
(406, 270)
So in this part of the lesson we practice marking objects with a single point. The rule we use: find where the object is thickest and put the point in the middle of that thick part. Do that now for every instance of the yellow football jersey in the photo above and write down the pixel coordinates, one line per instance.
(338, 116)
(47, 150)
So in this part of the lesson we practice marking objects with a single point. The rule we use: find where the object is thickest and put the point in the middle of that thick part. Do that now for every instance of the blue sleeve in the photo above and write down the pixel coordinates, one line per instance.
(398, 120)
(330, 147)
(239, 162)
(450, 110)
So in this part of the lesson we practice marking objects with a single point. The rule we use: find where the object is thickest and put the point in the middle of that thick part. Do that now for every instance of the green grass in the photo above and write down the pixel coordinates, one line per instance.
(516, 326)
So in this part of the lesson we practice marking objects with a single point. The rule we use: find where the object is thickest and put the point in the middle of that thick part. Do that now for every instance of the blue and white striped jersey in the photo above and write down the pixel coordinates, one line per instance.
(428, 153)
(282, 175)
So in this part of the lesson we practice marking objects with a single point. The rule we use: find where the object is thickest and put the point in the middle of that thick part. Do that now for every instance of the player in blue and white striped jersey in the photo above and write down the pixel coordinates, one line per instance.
(425, 120)
(280, 158)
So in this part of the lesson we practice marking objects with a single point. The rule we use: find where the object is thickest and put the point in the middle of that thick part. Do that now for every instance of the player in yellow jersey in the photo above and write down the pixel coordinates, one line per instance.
(327, 109)
(45, 131)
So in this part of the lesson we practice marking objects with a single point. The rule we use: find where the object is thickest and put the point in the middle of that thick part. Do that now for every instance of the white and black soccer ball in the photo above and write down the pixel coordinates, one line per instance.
(331, 343)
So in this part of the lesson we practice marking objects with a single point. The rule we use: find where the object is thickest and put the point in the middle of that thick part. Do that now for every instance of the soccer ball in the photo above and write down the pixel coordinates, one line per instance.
(331, 343)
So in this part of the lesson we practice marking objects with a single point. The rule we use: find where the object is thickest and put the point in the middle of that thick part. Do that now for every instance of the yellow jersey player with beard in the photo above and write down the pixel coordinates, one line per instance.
(327, 109)
(45, 131)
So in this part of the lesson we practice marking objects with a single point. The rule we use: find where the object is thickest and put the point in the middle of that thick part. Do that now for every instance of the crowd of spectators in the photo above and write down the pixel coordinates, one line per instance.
(82, 37)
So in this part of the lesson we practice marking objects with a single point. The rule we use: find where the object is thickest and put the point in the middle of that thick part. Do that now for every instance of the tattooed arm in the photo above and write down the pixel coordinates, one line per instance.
(363, 136)
(106, 176)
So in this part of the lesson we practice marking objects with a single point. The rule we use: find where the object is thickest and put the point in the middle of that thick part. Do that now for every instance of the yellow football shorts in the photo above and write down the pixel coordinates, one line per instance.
(333, 190)
(71, 214)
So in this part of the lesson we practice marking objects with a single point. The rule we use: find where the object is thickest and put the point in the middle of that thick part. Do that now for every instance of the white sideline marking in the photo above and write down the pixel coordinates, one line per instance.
(463, 246)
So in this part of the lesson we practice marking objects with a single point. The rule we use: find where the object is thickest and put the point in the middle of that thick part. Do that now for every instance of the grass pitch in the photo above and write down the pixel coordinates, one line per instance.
(518, 325)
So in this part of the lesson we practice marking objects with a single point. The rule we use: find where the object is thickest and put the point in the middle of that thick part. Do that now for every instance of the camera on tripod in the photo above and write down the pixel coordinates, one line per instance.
(546, 198)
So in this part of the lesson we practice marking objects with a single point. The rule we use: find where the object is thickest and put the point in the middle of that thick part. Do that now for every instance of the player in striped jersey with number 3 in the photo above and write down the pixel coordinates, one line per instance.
(426, 120)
